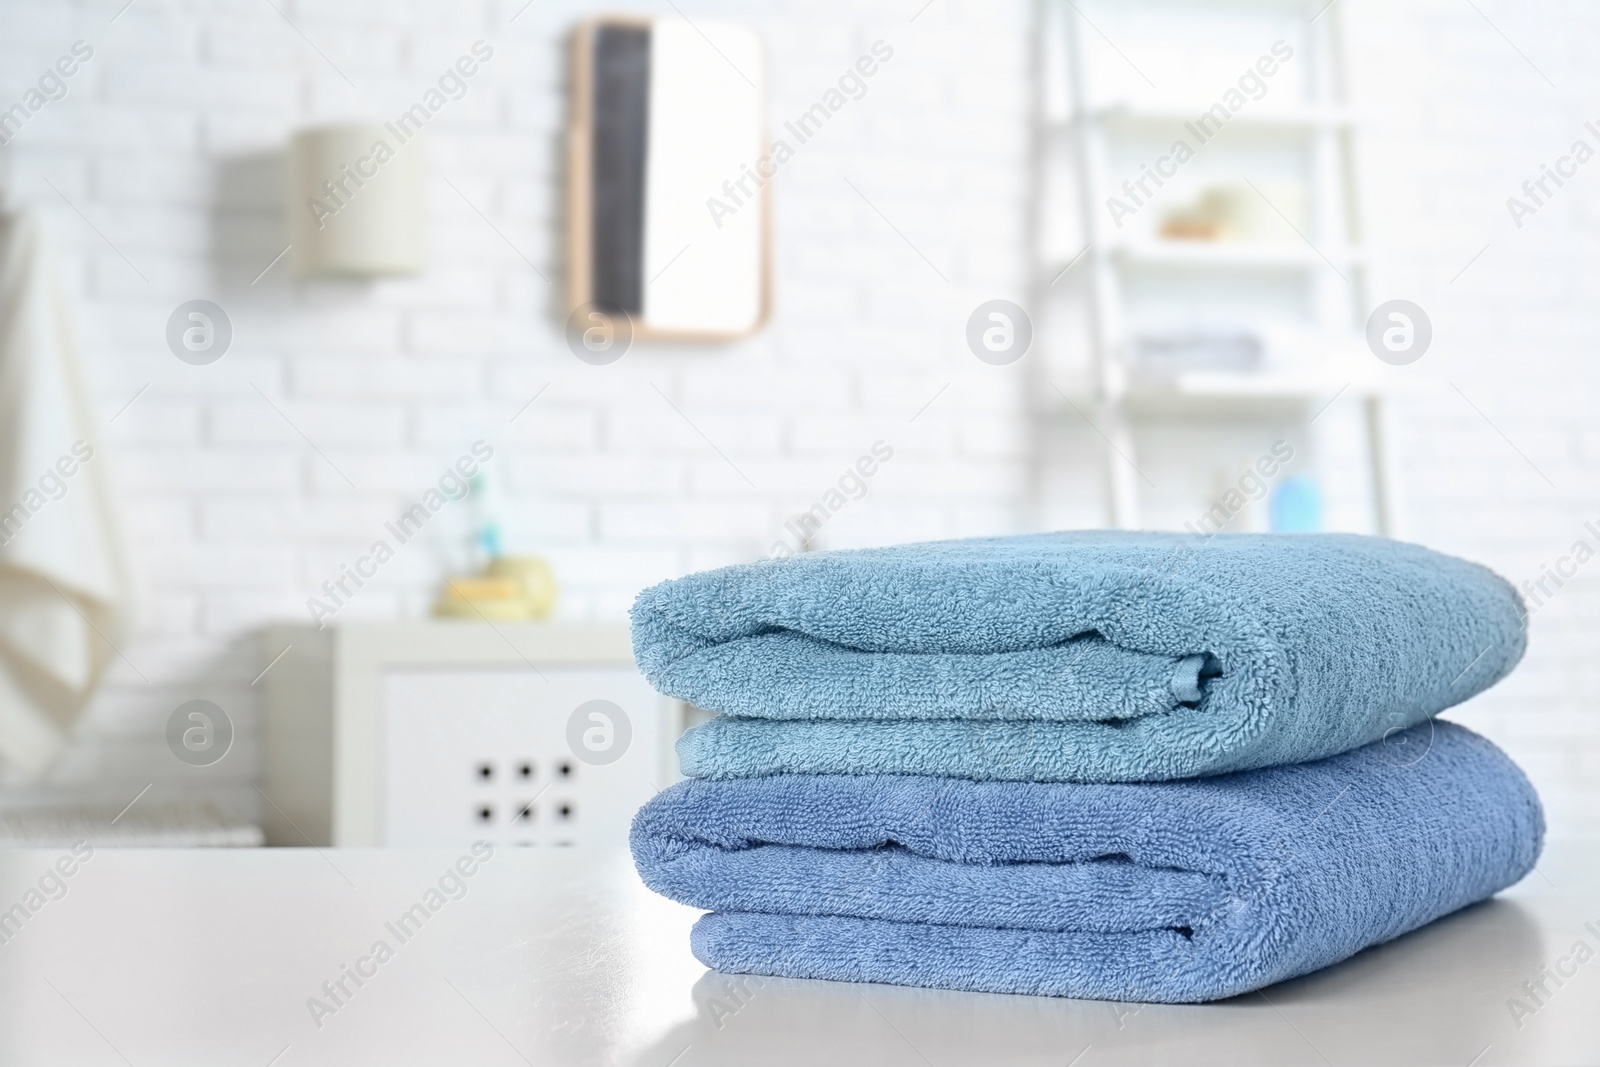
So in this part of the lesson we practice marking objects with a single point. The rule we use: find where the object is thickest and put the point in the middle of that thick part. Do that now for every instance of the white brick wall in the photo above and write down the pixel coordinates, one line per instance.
(1457, 121)
(170, 141)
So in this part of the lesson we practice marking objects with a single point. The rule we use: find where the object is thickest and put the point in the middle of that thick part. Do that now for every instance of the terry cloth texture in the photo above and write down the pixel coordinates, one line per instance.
(1086, 656)
(1171, 892)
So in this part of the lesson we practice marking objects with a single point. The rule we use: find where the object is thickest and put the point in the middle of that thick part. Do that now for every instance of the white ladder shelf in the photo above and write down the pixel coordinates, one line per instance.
(1332, 264)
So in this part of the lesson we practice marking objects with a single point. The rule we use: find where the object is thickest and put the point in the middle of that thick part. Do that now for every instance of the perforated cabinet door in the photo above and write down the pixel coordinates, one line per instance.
(554, 757)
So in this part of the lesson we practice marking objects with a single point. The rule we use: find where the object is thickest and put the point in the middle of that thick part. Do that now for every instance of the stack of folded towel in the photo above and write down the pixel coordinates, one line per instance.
(1128, 766)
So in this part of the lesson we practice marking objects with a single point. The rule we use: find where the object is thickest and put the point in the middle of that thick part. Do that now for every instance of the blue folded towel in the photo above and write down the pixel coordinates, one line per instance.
(1093, 656)
(1174, 891)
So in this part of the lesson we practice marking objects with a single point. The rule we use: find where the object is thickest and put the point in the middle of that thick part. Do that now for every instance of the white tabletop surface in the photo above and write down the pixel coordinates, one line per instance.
(563, 957)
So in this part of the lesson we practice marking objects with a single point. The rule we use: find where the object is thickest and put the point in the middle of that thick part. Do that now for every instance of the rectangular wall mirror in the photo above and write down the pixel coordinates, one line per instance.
(667, 203)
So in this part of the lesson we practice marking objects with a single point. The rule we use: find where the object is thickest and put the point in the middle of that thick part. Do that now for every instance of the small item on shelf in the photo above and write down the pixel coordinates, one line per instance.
(495, 599)
(1203, 219)
(1297, 506)
(483, 504)
(1187, 224)
(535, 579)
(1215, 350)
(512, 589)
(1190, 222)
(1261, 212)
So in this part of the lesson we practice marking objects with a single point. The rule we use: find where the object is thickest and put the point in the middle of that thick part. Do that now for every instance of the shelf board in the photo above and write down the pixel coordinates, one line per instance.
(1240, 254)
(1201, 392)
(1245, 384)
(1306, 117)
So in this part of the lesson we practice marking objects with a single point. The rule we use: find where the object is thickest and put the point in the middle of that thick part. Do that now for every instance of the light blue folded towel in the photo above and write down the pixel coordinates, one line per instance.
(1093, 656)
(1173, 892)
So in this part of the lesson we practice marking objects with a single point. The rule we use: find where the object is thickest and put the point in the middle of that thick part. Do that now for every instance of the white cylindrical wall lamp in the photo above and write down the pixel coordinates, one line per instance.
(356, 200)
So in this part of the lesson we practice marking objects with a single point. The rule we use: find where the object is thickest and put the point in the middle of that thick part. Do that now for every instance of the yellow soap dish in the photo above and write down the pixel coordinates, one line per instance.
(496, 599)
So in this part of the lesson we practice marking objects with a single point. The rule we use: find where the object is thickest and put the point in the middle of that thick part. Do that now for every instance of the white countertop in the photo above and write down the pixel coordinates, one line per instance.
(563, 957)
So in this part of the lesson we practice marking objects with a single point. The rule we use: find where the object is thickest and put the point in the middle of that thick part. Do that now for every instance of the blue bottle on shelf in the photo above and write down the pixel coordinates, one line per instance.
(1297, 506)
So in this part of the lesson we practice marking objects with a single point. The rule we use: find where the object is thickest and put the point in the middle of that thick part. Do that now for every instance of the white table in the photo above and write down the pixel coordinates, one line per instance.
(563, 958)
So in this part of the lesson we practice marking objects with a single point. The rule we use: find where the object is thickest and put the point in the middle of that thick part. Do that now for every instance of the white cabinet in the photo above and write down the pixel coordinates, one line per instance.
(441, 733)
